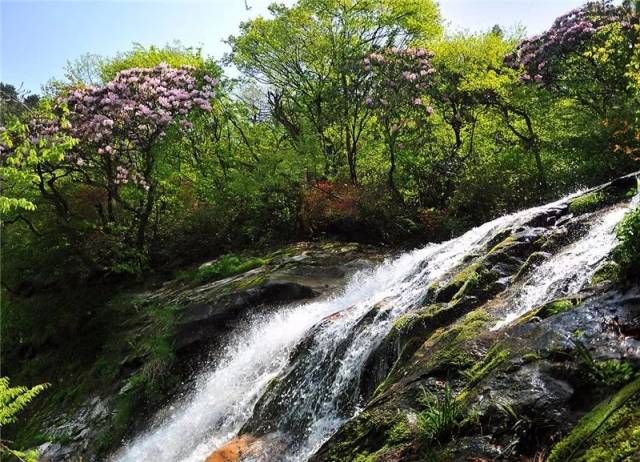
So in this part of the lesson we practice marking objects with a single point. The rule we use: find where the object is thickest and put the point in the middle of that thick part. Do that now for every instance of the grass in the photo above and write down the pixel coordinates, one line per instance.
(441, 416)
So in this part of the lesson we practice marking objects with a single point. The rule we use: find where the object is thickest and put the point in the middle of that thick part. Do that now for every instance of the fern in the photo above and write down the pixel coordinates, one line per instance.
(12, 401)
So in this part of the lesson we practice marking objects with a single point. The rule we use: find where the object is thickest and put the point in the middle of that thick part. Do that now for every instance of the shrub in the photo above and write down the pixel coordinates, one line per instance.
(627, 254)
(610, 373)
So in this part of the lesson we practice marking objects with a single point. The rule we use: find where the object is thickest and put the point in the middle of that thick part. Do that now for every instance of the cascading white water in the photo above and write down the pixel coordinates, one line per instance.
(571, 269)
(226, 395)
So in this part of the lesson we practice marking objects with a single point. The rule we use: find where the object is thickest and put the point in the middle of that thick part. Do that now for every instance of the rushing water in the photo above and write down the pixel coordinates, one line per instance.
(319, 382)
(570, 269)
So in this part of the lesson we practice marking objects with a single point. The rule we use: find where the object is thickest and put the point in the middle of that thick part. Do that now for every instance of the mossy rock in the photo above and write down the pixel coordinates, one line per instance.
(472, 280)
(447, 345)
(448, 291)
(611, 431)
(550, 309)
(444, 344)
(534, 259)
(496, 356)
(368, 437)
(588, 202)
(607, 272)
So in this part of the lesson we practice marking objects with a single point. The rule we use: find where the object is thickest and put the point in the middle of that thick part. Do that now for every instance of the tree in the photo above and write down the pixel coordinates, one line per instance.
(586, 56)
(109, 140)
(399, 81)
(309, 56)
(14, 102)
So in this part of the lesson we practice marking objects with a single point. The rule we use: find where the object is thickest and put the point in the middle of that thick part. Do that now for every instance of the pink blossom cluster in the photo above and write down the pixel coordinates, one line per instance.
(536, 55)
(399, 80)
(133, 111)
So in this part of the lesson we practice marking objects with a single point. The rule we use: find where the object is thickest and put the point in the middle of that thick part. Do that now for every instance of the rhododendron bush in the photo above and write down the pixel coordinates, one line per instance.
(571, 32)
(118, 131)
(400, 78)
(587, 55)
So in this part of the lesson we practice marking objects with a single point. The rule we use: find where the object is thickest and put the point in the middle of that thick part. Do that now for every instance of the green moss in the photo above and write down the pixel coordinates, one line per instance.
(369, 436)
(534, 259)
(474, 279)
(406, 321)
(403, 321)
(550, 309)
(400, 432)
(609, 271)
(504, 244)
(457, 283)
(493, 359)
(244, 283)
(531, 357)
(226, 266)
(591, 435)
(619, 439)
(447, 344)
(589, 202)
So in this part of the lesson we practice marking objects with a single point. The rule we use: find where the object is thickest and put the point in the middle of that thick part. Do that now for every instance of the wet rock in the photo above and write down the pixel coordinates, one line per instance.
(203, 321)
(77, 430)
(235, 450)
(303, 272)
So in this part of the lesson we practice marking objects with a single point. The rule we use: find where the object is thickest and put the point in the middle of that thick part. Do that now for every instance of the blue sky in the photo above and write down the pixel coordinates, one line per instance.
(38, 37)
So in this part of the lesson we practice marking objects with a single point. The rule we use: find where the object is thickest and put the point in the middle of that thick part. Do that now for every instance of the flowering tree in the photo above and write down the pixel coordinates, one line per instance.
(118, 130)
(399, 82)
(588, 55)
(540, 56)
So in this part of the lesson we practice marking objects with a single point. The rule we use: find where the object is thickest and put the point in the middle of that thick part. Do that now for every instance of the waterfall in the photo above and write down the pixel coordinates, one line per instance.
(316, 351)
(571, 269)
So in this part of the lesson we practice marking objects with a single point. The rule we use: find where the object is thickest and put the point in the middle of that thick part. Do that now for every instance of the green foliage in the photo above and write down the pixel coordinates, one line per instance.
(608, 271)
(598, 423)
(17, 169)
(627, 253)
(175, 55)
(292, 150)
(15, 399)
(441, 416)
(12, 401)
(226, 266)
(610, 373)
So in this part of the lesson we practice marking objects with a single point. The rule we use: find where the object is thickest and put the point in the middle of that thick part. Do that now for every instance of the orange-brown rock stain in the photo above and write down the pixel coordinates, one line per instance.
(233, 450)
